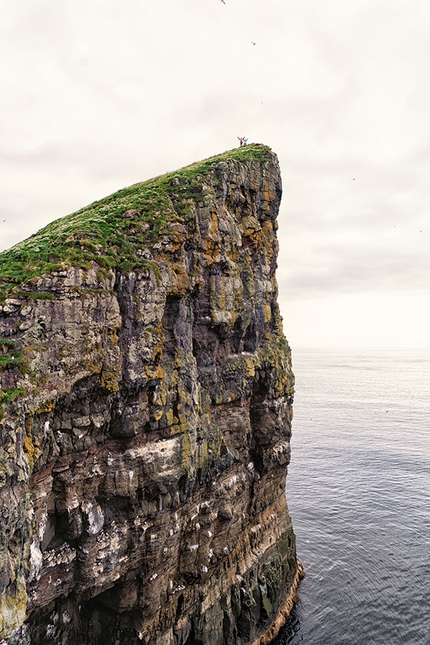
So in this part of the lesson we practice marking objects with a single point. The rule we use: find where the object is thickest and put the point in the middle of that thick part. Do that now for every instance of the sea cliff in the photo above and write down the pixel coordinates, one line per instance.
(145, 417)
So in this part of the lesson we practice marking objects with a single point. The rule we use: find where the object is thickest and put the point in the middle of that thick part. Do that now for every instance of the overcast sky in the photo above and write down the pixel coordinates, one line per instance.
(97, 95)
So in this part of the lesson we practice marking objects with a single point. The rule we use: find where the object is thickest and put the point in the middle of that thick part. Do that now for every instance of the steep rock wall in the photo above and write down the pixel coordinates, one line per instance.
(146, 417)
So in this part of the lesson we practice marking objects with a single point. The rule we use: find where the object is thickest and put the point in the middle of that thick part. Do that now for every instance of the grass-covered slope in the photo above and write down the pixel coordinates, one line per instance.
(101, 233)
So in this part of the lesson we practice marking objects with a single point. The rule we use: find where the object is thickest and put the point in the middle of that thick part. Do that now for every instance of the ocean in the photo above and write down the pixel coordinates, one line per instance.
(358, 490)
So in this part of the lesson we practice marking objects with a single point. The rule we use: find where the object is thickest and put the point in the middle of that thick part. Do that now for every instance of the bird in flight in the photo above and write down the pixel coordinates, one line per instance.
(223, 1)
(253, 42)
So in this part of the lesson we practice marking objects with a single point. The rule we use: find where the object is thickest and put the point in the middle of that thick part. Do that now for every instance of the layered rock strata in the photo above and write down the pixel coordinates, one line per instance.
(146, 417)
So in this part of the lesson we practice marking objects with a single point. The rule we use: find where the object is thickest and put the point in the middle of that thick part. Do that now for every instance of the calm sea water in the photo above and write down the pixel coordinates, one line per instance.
(358, 490)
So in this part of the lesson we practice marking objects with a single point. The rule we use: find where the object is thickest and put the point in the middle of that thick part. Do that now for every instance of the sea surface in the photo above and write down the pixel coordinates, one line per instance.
(358, 491)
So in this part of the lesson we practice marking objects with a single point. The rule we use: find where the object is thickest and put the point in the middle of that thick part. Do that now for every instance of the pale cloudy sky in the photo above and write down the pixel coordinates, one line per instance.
(97, 95)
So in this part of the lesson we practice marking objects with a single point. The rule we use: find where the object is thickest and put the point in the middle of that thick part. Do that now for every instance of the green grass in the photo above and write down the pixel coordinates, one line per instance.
(7, 396)
(10, 355)
(41, 295)
(100, 233)
(6, 344)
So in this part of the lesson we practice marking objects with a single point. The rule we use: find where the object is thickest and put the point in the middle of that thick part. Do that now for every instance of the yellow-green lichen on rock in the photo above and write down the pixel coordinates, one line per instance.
(13, 610)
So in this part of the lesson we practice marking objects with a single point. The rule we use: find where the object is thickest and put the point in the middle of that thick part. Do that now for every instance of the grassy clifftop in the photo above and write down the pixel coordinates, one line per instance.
(107, 232)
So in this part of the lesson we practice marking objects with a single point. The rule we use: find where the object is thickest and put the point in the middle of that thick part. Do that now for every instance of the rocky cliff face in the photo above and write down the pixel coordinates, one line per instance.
(145, 417)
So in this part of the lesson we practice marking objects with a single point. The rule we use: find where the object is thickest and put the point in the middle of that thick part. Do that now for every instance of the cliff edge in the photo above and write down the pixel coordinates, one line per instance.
(145, 417)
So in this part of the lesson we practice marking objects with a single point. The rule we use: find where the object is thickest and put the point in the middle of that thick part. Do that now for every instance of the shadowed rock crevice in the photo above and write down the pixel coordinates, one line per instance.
(146, 414)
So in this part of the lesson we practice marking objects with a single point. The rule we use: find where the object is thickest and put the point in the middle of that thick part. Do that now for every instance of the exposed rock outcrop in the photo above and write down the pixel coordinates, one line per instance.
(146, 415)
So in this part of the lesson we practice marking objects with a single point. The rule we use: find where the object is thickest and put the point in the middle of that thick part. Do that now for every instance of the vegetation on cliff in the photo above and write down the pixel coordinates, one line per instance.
(107, 231)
